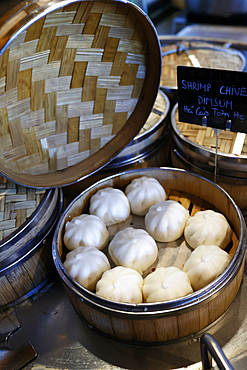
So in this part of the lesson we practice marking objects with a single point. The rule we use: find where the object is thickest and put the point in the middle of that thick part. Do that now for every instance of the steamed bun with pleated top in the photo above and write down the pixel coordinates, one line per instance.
(111, 205)
(166, 220)
(121, 284)
(86, 265)
(85, 230)
(166, 283)
(133, 248)
(208, 228)
(205, 263)
(144, 192)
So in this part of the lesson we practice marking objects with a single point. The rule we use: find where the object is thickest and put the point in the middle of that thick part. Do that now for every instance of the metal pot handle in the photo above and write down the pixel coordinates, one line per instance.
(211, 349)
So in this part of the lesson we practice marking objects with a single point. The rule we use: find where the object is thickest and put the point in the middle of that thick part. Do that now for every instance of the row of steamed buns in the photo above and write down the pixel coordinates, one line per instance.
(134, 250)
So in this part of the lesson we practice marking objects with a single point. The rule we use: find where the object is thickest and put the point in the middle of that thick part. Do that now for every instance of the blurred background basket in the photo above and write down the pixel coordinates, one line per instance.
(197, 54)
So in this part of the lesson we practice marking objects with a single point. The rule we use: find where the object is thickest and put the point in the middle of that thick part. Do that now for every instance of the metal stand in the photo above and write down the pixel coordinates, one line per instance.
(217, 132)
(211, 349)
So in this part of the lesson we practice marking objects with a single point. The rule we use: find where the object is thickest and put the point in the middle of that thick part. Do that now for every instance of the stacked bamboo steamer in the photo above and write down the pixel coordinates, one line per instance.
(27, 217)
(194, 146)
(76, 86)
(147, 142)
(194, 149)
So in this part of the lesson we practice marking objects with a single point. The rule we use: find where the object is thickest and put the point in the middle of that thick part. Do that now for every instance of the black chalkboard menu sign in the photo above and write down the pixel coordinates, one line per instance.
(212, 97)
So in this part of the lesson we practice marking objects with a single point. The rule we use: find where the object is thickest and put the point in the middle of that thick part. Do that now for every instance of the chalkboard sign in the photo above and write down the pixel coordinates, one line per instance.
(212, 97)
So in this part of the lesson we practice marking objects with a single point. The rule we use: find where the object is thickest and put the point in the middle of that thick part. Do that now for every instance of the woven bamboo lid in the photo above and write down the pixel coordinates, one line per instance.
(197, 54)
(77, 83)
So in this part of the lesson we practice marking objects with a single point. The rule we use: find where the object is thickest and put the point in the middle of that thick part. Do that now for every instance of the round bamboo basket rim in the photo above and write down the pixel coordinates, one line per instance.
(166, 308)
(202, 148)
(25, 15)
(28, 221)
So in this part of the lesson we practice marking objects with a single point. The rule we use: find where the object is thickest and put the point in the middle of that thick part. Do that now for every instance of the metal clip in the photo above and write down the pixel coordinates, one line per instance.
(178, 49)
(228, 125)
(204, 121)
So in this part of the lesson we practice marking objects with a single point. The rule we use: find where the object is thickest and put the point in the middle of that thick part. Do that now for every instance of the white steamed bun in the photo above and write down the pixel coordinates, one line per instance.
(85, 230)
(166, 283)
(111, 205)
(205, 263)
(208, 228)
(86, 265)
(133, 248)
(144, 192)
(121, 284)
(166, 220)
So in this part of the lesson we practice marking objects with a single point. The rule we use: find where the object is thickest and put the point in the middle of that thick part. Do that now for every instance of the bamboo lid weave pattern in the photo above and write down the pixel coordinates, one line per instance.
(207, 55)
(17, 204)
(68, 85)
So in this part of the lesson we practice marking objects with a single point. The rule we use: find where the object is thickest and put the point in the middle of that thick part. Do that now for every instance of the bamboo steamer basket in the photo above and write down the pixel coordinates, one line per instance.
(78, 81)
(194, 149)
(162, 321)
(197, 54)
(27, 217)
